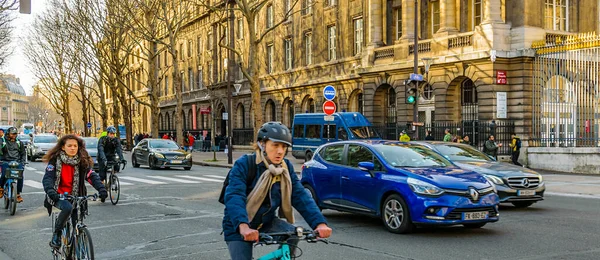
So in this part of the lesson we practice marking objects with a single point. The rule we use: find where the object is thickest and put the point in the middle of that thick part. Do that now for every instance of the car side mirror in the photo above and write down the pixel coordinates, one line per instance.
(368, 167)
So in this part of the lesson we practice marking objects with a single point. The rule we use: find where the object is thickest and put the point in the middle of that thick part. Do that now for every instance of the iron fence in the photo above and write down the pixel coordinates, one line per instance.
(243, 136)
(478, 132)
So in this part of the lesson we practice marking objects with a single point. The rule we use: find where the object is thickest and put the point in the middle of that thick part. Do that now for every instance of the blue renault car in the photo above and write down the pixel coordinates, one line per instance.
(405, 184)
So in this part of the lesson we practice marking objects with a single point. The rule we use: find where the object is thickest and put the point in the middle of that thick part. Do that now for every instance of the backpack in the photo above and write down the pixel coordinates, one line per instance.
(518, 143)
(249, 178)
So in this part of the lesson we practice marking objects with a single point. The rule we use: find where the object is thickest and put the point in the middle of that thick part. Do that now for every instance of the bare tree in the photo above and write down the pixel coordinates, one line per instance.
(49, 50)
(6, 18)
(247, 55)
(162, 23)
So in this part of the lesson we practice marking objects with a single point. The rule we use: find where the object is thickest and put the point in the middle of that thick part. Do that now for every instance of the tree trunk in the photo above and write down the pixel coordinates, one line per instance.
(127, 117)
(84, 107)
(177, 86)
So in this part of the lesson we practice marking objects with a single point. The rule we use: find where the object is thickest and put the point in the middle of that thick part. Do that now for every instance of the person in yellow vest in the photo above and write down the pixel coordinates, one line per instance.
(404, 137)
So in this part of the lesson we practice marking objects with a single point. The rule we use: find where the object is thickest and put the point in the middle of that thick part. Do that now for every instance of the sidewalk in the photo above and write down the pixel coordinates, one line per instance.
(557, 183)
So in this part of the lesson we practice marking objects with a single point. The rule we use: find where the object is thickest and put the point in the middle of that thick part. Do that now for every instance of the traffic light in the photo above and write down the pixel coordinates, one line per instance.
(411, 95)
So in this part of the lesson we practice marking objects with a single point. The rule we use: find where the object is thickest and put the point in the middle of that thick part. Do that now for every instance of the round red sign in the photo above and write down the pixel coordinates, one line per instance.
(329, 107)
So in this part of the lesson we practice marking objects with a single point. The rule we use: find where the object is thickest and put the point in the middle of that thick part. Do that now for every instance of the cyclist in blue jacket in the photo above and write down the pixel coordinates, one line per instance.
(276, 186)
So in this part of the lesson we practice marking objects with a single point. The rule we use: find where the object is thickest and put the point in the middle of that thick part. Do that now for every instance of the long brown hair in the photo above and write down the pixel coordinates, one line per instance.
(85, 161)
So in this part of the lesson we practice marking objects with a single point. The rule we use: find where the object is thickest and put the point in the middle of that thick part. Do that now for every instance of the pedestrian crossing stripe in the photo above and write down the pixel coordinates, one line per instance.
(199, 178)
(172, 179)
(34, 184)
(141, 180)
(29, 168)
(216, 176)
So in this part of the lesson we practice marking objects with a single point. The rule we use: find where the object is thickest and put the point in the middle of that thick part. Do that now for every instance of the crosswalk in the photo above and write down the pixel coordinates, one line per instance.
(34, 180)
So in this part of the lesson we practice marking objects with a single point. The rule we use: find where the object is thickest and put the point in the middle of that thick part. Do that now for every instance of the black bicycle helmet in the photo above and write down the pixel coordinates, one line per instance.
(12, 130)
(111, 130)
(276, 132)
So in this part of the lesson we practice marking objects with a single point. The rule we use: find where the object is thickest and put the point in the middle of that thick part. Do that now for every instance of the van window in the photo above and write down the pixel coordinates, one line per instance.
(329, 132)
(299, 131)
(342, 134)
(313, 131)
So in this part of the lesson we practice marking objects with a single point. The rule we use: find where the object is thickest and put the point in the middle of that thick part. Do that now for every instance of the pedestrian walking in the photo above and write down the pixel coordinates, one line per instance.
(515, 146)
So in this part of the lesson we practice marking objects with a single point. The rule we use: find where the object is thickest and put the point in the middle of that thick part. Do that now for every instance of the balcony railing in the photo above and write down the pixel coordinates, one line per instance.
(422, 47)
(460, 41)
(385, 52)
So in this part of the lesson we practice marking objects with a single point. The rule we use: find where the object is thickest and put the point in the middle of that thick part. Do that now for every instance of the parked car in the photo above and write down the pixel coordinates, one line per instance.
(404, 184)
(25, 139)
(517, 185)
(311, 130)
(40, 145)
(160, 153)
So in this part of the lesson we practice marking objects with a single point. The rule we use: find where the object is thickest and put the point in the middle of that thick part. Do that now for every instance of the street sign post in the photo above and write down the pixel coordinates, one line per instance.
(329, 118)
(416, 77)
(329, 107)
(329, 92)
(89, 125)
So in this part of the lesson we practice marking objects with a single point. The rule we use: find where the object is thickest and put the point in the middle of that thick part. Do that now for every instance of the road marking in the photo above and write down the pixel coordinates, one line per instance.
(141, 180)
(124, 183)
(40, 172)
(30, 168)
(33, 184)
(172, 179)
(216, 176)
(199, 178)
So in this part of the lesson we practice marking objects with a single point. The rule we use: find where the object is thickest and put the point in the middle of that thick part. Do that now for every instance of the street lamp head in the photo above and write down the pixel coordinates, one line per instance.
(427, 62)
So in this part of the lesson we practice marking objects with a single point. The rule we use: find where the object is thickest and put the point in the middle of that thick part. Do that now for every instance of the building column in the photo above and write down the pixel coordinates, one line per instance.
(448, 16)
(408, 19)
(492, 11)
(375, 22)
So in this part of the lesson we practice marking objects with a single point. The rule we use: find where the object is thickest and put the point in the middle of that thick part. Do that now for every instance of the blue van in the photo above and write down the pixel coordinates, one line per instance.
(310, 131)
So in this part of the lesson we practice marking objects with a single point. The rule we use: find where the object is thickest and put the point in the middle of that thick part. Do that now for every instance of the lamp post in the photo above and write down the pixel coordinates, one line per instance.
(230, 55)
(416, 67)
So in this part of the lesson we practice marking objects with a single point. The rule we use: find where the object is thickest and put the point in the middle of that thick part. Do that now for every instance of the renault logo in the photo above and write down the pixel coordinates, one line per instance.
(474, 194)
(525, 183)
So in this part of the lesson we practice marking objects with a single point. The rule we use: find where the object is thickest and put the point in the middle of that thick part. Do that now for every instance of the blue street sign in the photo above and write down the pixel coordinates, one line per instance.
(416, 77)
(89, 125)
(329, 92)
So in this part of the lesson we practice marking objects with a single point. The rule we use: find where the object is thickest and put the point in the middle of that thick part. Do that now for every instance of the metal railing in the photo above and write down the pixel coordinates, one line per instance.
(243, 136)
(478, 132)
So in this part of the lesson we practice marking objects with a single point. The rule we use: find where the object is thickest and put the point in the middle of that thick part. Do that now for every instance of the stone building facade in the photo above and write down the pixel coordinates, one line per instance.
(13, 101)
(365, 49)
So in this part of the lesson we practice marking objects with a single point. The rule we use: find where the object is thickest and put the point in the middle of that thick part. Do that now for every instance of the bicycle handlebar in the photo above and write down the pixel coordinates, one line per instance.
(309, 236)
(94, 197)
(113, 163)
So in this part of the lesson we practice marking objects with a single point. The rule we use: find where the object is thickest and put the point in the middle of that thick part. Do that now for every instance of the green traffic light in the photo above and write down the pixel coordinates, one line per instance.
(410, 99)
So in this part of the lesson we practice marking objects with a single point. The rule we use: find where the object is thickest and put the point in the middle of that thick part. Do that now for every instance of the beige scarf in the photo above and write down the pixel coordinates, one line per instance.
(263, 188)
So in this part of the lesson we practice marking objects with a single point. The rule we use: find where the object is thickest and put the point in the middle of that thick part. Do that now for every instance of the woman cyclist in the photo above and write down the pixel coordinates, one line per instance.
(275, 186)
(69, 166)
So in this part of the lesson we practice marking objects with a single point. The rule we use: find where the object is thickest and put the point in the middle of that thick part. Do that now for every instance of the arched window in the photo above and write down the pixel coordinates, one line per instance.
(469, 100)
(270, 113)
(288, 112)
(240, 117)
(391, 104)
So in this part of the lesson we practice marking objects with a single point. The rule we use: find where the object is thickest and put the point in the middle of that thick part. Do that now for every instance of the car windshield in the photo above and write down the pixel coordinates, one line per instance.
(363, 132)
(163, 144)
(461, 153)
(91, 142)
(411, 156)
(45, 139)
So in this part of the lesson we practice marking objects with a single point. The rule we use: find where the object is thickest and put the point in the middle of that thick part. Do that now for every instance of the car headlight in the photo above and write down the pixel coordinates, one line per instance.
(158, 155)
(494, 179)
(189, 156)
(541, 178)
(424, 188)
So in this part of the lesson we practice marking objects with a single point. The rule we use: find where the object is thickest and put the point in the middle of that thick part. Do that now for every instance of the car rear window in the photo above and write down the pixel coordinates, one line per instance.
(332, 153)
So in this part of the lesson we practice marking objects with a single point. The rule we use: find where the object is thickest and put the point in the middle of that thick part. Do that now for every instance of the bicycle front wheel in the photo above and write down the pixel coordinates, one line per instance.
(84, 249)
(114, 189)
(13, 199)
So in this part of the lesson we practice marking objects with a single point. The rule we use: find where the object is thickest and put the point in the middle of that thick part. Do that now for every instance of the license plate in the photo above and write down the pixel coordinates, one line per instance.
(526, 192)
(176, 161)
(475, 215)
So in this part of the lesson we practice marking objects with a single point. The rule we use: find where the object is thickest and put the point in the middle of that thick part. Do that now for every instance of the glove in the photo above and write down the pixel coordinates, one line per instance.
(103, 194)
(104, 163)
(53, 195)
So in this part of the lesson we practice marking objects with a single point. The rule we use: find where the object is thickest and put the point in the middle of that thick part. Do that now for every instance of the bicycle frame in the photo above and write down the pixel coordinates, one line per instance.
(282, 253)
(69, 232)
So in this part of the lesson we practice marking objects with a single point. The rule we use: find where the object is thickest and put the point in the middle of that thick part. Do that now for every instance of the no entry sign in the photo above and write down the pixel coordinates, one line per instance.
(329, 107)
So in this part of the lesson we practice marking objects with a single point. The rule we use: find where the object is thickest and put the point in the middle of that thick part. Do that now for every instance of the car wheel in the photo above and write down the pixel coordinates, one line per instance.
(312, 194)
(474, 225)
(395, 215)
(522, 204)
(151, 163)
(308, 156)
(134, 162)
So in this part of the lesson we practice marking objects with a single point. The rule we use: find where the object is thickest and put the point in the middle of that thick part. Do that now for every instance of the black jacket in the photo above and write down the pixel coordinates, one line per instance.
(108, 147)
(4, 154)
(84, 174)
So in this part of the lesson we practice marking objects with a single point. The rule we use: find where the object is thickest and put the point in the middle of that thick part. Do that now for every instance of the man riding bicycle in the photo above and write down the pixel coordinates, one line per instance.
(251, 205)
(11, 149)
(108, 146)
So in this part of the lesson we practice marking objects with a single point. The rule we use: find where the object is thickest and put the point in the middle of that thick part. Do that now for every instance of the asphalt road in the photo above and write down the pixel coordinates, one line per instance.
(177, 216)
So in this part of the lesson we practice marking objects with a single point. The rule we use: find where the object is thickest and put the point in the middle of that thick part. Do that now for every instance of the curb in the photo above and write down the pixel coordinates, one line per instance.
(550, 172)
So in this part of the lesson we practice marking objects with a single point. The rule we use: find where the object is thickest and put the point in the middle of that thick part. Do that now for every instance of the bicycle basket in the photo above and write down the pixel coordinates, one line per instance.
(14, 174)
